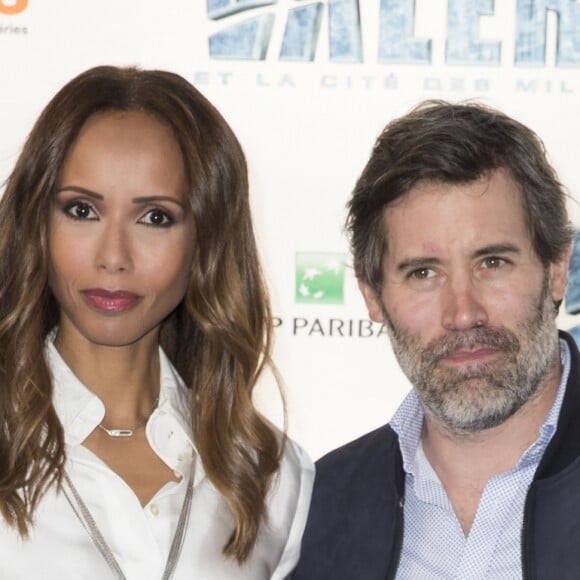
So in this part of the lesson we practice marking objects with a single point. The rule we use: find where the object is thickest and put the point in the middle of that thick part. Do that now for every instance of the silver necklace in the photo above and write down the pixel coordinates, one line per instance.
(84, 515)
(128, 432)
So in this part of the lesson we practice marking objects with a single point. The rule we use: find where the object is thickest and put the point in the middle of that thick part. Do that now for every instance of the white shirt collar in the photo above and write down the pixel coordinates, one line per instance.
(168, 429)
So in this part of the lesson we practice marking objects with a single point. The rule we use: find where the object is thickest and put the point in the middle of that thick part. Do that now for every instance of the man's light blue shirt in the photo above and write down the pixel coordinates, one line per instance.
(434, 545)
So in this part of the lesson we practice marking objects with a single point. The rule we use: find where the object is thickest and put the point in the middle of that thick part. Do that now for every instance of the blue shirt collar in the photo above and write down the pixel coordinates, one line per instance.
(407, 422)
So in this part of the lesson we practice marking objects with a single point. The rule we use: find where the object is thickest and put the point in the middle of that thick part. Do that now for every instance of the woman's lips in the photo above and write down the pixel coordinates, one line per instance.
(107, 301)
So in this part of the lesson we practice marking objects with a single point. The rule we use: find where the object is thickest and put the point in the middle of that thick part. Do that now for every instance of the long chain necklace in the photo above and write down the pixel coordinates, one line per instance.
(128, 432)
(84, 515)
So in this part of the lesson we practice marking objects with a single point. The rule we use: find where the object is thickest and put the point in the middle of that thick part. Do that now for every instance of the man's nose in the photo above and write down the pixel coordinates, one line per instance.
(462, 304)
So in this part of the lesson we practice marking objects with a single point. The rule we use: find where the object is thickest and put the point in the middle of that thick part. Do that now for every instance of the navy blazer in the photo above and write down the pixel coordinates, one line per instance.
(355, 526)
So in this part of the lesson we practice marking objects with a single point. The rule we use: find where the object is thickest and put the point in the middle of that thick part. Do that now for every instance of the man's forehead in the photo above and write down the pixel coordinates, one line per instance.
(501, 180)
(435, 213)
(476, 186)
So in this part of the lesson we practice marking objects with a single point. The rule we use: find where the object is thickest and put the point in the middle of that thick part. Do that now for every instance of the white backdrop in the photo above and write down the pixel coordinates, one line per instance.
(307, 109)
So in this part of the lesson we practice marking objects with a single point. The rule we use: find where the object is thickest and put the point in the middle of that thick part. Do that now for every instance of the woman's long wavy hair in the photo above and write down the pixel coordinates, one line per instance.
(218, 338)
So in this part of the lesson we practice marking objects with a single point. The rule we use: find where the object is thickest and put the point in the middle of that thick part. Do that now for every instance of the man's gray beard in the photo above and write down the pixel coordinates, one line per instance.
(480, 396)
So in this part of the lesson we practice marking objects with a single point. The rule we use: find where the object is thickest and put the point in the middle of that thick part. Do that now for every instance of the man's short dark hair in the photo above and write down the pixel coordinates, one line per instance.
(454, 143)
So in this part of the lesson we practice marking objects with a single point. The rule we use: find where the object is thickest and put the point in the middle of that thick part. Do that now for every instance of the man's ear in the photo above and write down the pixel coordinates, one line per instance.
(559, 274)
(373, 302)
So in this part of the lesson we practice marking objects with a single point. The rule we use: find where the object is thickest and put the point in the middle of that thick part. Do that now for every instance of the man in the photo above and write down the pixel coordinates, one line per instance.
(461, 244)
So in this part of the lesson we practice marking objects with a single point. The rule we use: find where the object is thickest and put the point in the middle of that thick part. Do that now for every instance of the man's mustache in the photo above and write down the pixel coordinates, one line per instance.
(483, 337)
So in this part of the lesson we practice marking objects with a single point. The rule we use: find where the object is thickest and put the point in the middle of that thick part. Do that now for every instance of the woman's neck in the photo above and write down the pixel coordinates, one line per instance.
(125, 378)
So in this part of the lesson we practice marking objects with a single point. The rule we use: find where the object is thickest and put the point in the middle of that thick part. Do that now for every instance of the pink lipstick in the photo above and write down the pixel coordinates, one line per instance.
(107, 301)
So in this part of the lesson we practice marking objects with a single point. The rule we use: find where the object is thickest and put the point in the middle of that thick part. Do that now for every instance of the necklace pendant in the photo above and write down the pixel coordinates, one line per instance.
(119, 432)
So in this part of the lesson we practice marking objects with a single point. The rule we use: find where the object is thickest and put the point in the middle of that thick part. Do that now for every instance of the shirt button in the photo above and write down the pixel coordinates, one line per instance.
(154, 510)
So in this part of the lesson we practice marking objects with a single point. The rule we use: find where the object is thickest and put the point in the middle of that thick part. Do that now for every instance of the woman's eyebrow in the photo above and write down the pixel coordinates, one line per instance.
(153, 198)
(82, 190)
(140, 199)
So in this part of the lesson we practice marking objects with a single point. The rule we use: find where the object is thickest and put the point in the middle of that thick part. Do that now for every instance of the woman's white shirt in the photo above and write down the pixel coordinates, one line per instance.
(59, 548)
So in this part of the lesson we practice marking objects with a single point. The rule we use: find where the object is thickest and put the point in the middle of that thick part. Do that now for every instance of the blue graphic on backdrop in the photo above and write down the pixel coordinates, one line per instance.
(531, 31)
(344, 31)
(573, 291)
(462, 36)
(301, 33)
(396, 42)
(249, 39)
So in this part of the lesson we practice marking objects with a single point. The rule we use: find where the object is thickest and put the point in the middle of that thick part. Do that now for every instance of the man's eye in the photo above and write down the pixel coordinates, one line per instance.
(157, 217)
(421, 274)
(80, 210)
(493, 262)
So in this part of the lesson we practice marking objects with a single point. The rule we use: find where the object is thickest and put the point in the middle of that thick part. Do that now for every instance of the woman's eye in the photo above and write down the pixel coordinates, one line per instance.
(80, 210)
(157, 217)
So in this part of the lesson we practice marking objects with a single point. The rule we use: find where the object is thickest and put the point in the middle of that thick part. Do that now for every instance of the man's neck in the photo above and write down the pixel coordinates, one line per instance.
(465, 462)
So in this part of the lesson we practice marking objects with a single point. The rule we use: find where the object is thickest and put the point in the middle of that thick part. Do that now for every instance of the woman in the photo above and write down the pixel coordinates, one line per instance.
(134, 325)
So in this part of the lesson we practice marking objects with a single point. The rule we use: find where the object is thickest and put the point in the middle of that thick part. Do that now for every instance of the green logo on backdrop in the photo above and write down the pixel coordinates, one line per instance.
(319, 278)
